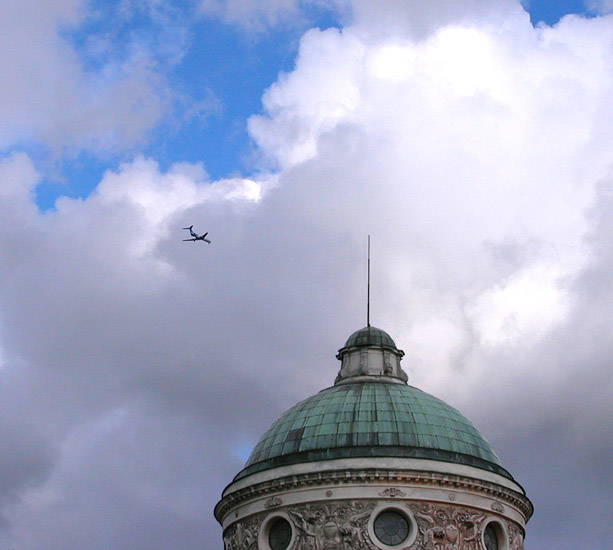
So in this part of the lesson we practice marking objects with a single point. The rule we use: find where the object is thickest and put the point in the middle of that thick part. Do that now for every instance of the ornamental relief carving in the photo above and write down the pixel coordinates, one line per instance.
(446, 527)
(392, 492)
(516, 537)
(343, 525)
(334, 526)
(272, 502)
(243, 535)
(455, 528)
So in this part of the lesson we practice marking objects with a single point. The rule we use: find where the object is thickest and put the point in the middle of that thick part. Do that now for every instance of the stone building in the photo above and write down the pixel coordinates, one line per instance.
(373, 463)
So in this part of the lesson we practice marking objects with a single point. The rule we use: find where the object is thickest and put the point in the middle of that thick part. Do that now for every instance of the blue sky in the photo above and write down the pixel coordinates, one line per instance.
(218, 72)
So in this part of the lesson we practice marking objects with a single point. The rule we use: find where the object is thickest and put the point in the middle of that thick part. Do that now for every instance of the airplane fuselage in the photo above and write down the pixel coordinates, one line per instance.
(195, 236)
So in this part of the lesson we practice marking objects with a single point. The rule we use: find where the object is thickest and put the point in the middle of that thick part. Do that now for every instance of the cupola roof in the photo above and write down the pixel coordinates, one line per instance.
(370, 336)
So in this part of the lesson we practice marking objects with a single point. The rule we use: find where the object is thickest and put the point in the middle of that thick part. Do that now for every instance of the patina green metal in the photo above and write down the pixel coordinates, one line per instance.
(370, 336)
(372, 419)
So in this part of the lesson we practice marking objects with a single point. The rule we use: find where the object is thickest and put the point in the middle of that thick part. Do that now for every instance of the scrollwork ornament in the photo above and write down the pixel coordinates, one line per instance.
(272, 502)
(392, 492)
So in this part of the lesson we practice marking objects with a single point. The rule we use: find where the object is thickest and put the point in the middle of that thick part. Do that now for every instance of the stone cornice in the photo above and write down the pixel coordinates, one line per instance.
(365, 477)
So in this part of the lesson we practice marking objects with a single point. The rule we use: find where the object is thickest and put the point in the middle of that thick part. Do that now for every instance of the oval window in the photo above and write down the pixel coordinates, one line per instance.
(391, 527)
(490, 538)
(280, 534)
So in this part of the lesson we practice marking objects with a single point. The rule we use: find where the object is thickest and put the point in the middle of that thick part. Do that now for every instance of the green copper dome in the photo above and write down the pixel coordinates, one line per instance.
(370, 336)
(371, 419)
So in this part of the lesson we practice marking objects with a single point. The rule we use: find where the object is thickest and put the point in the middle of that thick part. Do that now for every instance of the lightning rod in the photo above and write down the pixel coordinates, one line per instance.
(368, 288)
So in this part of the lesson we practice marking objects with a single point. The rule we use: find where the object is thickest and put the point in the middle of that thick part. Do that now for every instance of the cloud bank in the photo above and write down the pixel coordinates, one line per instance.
(476, 150)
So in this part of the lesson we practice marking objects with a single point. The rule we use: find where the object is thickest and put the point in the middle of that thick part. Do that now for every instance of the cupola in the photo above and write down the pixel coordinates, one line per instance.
(370, 354)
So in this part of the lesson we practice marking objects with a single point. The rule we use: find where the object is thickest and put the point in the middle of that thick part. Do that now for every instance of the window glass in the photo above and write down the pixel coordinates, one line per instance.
(490, 537)
(280, 534)
(391, 527)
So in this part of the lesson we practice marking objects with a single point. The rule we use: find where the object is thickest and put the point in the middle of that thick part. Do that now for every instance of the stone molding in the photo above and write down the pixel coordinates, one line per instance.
(373, 463)
(373, 483)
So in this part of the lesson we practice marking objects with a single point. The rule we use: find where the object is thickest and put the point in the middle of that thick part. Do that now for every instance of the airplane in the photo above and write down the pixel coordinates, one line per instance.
(197, 237)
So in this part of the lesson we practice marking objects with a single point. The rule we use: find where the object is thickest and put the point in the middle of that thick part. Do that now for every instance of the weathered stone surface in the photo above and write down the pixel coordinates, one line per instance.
(344, 526)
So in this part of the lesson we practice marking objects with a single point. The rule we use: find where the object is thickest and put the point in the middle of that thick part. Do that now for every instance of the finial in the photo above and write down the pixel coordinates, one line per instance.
(368, 288)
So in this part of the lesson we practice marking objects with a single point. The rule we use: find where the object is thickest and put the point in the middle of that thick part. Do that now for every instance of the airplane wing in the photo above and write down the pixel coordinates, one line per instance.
(189, 240)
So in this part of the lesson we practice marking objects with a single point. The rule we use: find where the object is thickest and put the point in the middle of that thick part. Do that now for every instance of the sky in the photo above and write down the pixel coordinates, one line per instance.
(472, 139)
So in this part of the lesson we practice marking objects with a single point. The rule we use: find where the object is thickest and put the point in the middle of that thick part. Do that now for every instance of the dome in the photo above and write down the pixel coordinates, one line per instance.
(370, 336)
(376, 464)
(372, 419)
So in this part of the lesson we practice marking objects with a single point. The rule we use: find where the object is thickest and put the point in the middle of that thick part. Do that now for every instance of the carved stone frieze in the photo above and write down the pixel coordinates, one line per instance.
(329, 526)
(446, 527)
(516, 537)
(243, 535)
(343, 525)
(333, 526)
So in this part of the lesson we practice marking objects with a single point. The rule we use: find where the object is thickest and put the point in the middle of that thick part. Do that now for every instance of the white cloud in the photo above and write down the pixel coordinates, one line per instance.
(250, 13)
(320, 93)
(18, 178)
(47, 95)
(600, 6)
(138, 365)
(258, 17)
(525, 307)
